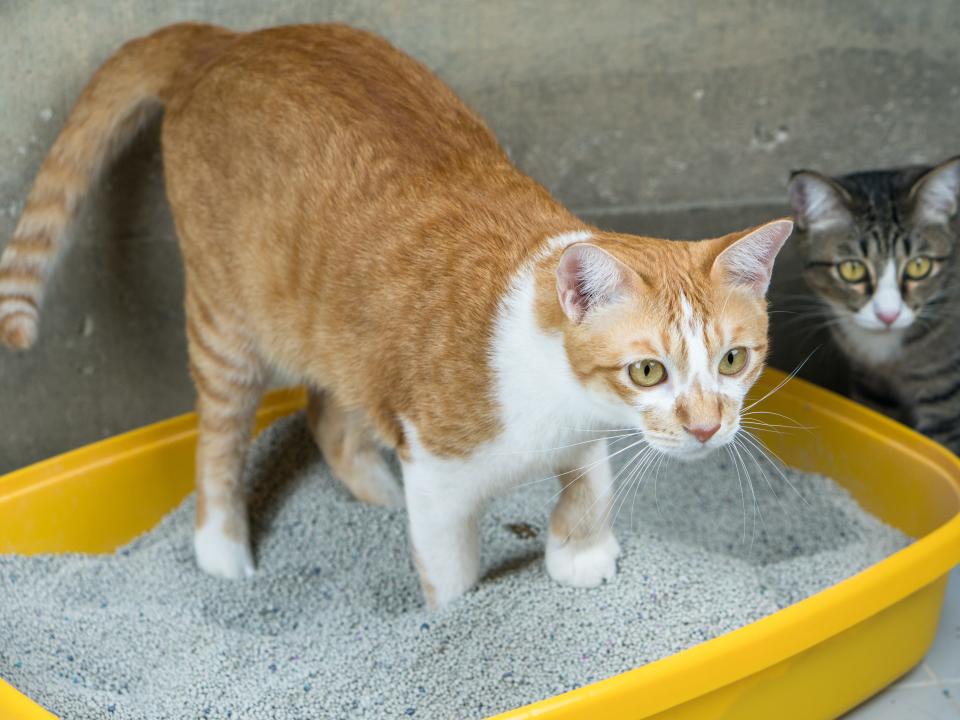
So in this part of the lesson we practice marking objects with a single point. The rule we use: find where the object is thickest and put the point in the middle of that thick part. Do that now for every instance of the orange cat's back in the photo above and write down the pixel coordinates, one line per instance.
(348, 195)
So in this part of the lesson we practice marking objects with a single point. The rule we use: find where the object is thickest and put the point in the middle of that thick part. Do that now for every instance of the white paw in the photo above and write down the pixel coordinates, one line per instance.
(580, 564)
(220, 555)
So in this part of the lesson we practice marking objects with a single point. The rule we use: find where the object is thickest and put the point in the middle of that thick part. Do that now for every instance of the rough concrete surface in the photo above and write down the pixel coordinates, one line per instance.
(677, 117)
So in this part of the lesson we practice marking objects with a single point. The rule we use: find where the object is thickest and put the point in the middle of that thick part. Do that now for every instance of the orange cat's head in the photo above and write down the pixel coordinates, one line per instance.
(667, 336)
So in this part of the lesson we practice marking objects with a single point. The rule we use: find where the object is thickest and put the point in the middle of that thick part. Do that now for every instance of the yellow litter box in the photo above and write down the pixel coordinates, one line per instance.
(815, 659)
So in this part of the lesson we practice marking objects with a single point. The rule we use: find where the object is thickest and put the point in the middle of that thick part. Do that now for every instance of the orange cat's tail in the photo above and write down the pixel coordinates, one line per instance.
(138, 79)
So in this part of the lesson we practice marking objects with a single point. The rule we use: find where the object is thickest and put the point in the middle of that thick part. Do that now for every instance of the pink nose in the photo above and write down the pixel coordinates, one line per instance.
(888, 318)
(702, 432)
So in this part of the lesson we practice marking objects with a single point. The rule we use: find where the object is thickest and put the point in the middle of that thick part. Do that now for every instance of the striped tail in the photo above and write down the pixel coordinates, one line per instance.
(127, 89)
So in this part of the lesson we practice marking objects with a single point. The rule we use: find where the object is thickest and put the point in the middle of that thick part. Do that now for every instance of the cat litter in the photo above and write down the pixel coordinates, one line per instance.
(333, 626)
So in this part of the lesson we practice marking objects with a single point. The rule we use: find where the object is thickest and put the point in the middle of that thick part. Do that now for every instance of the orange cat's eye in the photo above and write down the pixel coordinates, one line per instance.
(647, 373)
(733, 361)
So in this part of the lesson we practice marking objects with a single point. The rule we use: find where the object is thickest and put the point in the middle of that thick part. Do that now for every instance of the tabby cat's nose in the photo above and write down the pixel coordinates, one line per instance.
(702, 432)
(888, 318)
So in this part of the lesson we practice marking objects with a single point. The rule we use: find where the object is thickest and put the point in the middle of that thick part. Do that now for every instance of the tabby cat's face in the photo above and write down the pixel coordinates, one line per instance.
(877, 249)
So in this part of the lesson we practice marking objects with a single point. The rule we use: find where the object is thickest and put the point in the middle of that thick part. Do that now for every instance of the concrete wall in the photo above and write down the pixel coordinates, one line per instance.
(664, 117)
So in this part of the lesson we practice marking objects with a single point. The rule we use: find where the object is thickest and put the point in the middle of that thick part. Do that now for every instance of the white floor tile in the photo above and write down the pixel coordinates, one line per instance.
(931, 691)
(944, 656)
(920, 676)
(897, 703)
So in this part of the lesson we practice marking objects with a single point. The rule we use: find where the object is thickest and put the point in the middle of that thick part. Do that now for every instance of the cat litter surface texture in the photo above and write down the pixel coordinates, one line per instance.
(332, 625)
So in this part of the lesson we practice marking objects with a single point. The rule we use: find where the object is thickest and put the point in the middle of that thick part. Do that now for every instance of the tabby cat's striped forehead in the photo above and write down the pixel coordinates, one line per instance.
(871, 215)
(880, 205)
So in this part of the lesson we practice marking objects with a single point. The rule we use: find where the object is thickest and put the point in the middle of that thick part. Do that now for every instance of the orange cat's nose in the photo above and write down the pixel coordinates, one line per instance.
(702, 432)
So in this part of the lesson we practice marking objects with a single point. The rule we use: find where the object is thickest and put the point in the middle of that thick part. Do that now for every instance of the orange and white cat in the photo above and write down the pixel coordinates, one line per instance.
(346, 219)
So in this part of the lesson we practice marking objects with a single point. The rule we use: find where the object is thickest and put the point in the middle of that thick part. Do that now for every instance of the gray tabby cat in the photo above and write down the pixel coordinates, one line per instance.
(879, 251)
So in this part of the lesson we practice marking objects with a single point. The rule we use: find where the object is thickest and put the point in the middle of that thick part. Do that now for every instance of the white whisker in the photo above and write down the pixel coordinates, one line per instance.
(743, 497)
(565, 447)
(585, 468)
(783, 382)
(756, 506)
(777, 414)
(762, 474)
(765, 452)
(639, 454)
(636, 478)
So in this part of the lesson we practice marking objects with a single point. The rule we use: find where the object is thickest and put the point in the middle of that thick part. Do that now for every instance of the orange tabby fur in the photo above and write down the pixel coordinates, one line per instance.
(344, 217)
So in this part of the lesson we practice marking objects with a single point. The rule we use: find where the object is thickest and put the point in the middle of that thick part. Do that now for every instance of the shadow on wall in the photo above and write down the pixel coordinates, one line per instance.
(112, 353)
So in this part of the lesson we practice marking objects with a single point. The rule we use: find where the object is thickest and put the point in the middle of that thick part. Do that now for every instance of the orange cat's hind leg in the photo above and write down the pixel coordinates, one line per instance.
(349, 445)
(228, 376)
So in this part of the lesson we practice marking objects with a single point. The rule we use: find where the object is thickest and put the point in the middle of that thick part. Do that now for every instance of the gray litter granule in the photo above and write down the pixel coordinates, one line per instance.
(332, 624)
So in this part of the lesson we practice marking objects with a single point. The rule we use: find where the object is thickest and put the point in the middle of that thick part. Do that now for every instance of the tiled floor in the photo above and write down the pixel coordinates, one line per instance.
(932, 690)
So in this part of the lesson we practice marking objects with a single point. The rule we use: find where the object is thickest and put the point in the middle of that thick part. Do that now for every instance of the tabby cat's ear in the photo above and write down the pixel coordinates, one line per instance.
(588, 277)
(817, 201)
(935, 194)
(748, 262)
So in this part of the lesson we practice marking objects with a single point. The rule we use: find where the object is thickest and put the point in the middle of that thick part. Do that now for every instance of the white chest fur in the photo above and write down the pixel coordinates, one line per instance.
(548, 419)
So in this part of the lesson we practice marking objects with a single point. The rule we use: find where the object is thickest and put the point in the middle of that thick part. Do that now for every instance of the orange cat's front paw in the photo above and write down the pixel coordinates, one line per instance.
(222, 556)
(582, 563)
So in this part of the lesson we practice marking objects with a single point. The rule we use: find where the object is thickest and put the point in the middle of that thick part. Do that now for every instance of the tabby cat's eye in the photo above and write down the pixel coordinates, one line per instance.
(853, 271)
(647, 373)
(918, 268)
(733, 361)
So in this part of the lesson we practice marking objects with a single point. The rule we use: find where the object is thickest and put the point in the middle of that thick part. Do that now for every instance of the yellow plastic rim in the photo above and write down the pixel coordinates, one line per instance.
(814, 659)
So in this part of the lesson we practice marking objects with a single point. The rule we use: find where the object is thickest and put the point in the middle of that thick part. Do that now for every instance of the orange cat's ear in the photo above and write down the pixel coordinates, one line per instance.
(586, 278)
(748, 261)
